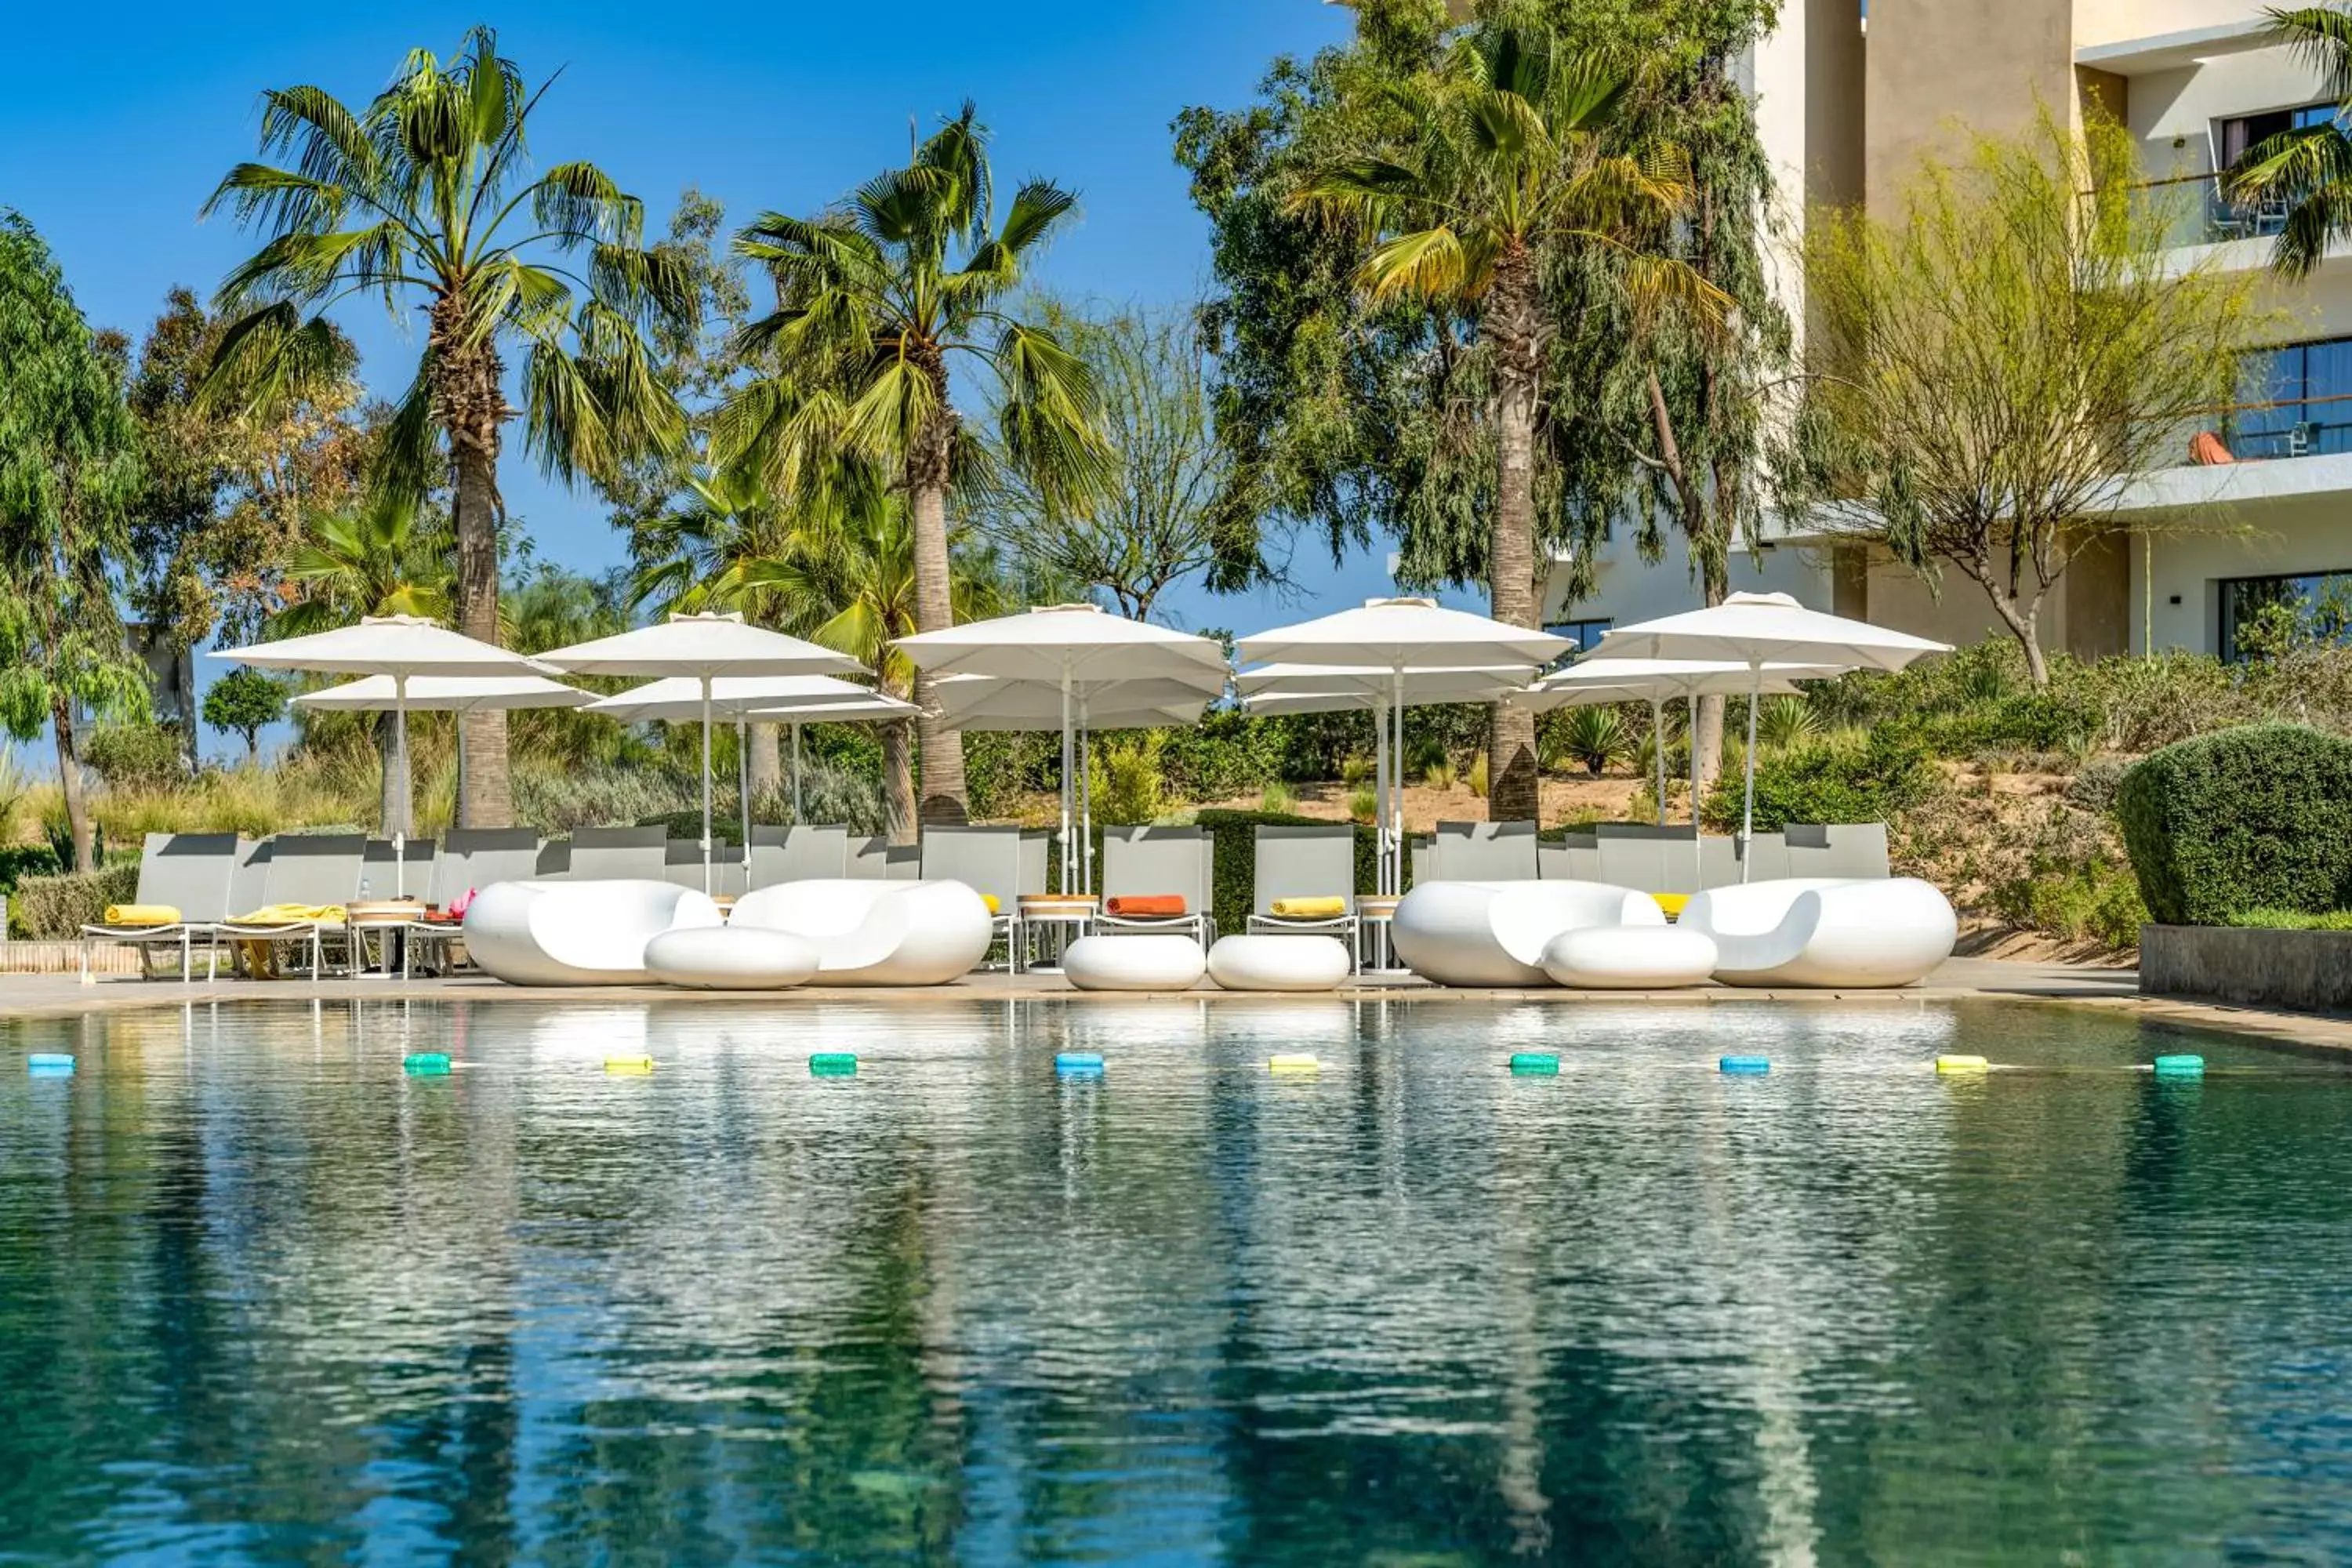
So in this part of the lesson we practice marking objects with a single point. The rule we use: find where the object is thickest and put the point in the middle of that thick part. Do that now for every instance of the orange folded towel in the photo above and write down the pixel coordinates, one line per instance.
(1136, 906)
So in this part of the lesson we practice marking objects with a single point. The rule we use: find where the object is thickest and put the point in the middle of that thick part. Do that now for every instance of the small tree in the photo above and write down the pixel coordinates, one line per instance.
(1154, 515)
(1991, 367)
(245, 702)
(68, 461)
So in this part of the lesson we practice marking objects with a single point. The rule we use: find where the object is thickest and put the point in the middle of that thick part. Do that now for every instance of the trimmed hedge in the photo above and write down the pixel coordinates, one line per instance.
(52, 908)
(2253, 818)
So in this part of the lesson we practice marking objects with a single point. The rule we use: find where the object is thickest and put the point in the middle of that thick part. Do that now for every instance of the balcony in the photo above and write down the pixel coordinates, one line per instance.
(2195, 213)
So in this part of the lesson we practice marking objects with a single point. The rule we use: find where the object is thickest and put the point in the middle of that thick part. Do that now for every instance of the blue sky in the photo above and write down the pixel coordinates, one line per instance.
(111, 145)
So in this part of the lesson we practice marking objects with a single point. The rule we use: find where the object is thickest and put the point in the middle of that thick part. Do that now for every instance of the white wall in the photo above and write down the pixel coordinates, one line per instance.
(2284, 537)
(1631, 589)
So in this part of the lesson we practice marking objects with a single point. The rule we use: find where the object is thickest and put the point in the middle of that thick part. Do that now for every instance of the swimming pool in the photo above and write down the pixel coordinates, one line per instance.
(265, 1297)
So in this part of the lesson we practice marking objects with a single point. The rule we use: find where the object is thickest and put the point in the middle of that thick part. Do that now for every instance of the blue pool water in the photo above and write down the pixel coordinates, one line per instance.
(266, 1297)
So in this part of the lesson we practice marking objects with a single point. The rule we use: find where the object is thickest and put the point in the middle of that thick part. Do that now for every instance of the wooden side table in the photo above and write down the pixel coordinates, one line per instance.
(1066, 915)
(1375, 932)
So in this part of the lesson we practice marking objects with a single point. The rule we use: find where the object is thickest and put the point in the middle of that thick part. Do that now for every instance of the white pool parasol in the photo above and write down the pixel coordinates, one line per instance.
(399, 648)
(1759, 629)
(703, 649)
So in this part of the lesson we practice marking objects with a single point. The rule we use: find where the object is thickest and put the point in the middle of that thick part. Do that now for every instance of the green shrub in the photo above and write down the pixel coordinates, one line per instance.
(2292, 920)
(1596, 737)
(18, 862)
(1869, 778)
(1275, 799)
(53, 909)
(2253, 818)
(1125, 777)
(2098, 900)
(136, 757)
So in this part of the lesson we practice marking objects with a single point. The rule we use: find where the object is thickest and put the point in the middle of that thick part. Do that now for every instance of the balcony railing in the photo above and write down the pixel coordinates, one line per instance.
(2267, 432)
(2197, 212)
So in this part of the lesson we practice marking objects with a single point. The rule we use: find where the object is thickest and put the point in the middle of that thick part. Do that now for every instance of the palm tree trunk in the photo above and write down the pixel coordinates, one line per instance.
(489, 799)
(943, 796)
(767, 770)
(470, 402)
(1512, 325)
(897, 783)
(61, 722)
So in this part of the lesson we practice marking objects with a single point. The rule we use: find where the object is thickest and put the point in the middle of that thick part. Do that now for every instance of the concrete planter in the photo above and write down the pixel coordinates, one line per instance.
(2306, 971)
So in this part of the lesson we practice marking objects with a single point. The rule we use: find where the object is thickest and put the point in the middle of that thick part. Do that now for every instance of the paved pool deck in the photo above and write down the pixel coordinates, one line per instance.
(1958, 979)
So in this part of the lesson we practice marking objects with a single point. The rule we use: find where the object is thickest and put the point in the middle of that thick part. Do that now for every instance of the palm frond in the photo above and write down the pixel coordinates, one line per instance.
(1431, 264)
(2322, 38)
(582, 204)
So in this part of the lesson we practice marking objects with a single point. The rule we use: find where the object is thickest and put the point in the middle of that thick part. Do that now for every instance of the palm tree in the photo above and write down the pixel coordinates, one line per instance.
(873, 304)
(1500, 164)
(845, 576)
(424, 197)
(2310, 167)
(690, 559)
(381, 557)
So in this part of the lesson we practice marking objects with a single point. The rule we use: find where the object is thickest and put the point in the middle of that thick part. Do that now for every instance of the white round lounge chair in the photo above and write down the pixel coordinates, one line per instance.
(1629, 958)
(1495, 933)
(1279, 962)
(1817, 932)
(876, 932)
(725, 958)
(1150, 963)
(577, 934)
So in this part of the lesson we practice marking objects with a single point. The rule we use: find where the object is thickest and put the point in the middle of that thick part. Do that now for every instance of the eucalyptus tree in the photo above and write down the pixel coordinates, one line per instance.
(426, 198)
(1167, 494)
(68, 463)
(1496, 168)
(875, 303)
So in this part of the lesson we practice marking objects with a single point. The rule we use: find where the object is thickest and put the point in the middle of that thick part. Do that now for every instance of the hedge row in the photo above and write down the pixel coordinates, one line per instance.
(2253, 818)
(52, 908)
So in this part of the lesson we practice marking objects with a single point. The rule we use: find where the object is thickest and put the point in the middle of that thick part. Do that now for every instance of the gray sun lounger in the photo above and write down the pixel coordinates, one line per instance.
(1305, 863)
(1768, 858)
(1575, 858)
(304, 868)
(1485, 852)
(801, 852)
(470, 859)
(1144, 861)
(621, 855)
(682, 867)
(191, 872)
(1850, 849)
(988, 860)
(380, 877)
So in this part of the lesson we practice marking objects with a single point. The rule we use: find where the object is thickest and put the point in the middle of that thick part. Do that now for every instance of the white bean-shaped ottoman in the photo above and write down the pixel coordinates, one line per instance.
(1629, 958)
(1132, 962)
(723, 958)
(1279, 962)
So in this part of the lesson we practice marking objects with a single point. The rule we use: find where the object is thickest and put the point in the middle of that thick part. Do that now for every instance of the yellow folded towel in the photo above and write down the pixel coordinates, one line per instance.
(141, 915)
(293, 915)
(1310, 909)
(990, 899)
(1672, 903)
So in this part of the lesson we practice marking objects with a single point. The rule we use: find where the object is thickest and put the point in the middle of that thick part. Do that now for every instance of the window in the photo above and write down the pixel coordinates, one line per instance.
(2233, 139)
(2293, 402)
(1586, 634)
(2317, 605)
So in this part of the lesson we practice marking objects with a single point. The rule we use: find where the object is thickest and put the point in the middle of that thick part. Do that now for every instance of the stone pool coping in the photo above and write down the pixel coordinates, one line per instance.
(1958, 979)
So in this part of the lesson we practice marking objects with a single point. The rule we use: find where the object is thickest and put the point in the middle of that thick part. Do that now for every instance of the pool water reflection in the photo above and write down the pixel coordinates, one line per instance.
(262, 1297)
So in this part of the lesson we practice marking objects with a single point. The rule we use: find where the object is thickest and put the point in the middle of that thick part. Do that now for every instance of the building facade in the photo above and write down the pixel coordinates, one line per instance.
(1846, 109)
